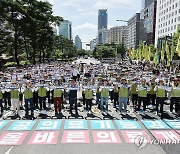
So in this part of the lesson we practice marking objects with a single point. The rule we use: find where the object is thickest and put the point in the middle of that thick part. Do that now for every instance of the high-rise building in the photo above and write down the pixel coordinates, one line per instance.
(148, 23)
(65, 29)
(117, 35)
(93, 44)
(102, 19)
(102, 35)
(146, 3)
(168, 18)
(133, 31)
(102, 26)
(78, 43)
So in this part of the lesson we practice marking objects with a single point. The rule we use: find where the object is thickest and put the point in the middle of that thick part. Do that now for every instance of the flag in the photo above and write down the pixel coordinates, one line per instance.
(178, 47)
(162, 53)
(156, 57)
(149, 54)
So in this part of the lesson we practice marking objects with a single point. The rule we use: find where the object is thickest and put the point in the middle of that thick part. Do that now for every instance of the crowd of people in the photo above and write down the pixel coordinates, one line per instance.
(122, 84)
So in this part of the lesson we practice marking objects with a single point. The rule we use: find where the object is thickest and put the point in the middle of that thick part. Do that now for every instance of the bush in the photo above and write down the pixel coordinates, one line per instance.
(10, 64)
(23, 63)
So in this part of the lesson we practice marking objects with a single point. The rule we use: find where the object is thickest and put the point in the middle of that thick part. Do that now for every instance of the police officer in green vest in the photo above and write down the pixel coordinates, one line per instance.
(142, 90)
(175, 96)
(134, 93)
(123, 95)
(104, 96)
(28, 98)
(151, 94)
(42, 93)
(15, 97)
(1, 98)
(88, 97)
(58, 97)
(160, 96)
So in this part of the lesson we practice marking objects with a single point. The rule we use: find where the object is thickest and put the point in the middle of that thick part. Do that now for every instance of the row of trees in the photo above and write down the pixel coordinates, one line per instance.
(26, 32)
(109, 51)
(169, 50)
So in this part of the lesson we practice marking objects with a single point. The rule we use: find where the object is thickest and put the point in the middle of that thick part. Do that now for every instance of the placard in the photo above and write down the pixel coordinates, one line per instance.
(127, 124)
(49, 125)
(102, 124)
(44, 137)
(175, 124)
(164, 136)
(106, 137)
(22, 125)
(3, 123)
(12, 138)
(75, 136)
(131, 136)
(155, 124)
(76, 124)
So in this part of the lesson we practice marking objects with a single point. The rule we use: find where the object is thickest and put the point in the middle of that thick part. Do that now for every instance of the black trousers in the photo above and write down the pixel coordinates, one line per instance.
(1, 105)
(42, 103)
(116, 99)
(112, 95)
(71, 102)
(84, 100)
(88, 104)
(142, 100)
(175, 100)
(35, 99)
(135, 99)
(7, 99)
(151, 99)
(160, 101)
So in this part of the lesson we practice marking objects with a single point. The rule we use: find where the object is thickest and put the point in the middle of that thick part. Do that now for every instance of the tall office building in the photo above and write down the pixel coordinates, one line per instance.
(102, 26)
(93, 44)
(146, 3)
(117, 35)
(168, 19)
(133, 31)
(102, 19)
(78, 43)
(148, 23)
(65, 29)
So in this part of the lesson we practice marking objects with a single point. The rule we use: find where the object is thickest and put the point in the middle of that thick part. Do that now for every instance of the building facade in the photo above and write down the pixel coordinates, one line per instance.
(148, 23)
(133, 32)
(93, 44)
(117, 35)
(102, 19)
(102, 35)
(168, 18)
(146, 3)
(102, 26)
(78, 43)
(65, 29)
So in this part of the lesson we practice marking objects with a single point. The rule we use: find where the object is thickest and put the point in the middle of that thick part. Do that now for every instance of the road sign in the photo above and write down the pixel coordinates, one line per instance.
(76, 124)
(75, 136)
(3, 123)
(102, 124)
(22, 125)
(49, 125)
(131, 135)
(127, 124)
(175, 124)
(12, 138)
(44, 137)
(106, 137)
(165, 136)
(155, 124)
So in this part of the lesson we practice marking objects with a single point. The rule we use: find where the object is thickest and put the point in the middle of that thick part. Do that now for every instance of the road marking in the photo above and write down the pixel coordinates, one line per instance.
(8, 152)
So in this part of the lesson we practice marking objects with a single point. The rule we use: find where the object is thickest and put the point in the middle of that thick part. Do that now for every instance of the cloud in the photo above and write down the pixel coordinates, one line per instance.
(86, 25)
(72, 3)
(114, 4)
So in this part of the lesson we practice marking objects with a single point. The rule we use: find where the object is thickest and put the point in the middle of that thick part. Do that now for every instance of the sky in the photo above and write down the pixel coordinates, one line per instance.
(84, 14)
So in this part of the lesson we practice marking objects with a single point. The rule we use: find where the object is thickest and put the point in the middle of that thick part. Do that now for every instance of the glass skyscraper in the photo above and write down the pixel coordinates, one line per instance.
(78, 42)
(146, 3)
(102, 19)
(65, 29)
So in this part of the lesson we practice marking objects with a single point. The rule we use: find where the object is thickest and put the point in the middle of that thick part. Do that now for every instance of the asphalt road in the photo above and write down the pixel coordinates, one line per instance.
(91, 147)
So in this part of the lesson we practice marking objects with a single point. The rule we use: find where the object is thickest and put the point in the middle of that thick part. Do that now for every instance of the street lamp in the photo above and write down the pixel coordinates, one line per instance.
(121, 20)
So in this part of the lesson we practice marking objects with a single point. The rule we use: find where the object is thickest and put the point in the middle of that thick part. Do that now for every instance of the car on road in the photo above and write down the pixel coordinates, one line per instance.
(108, 60)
